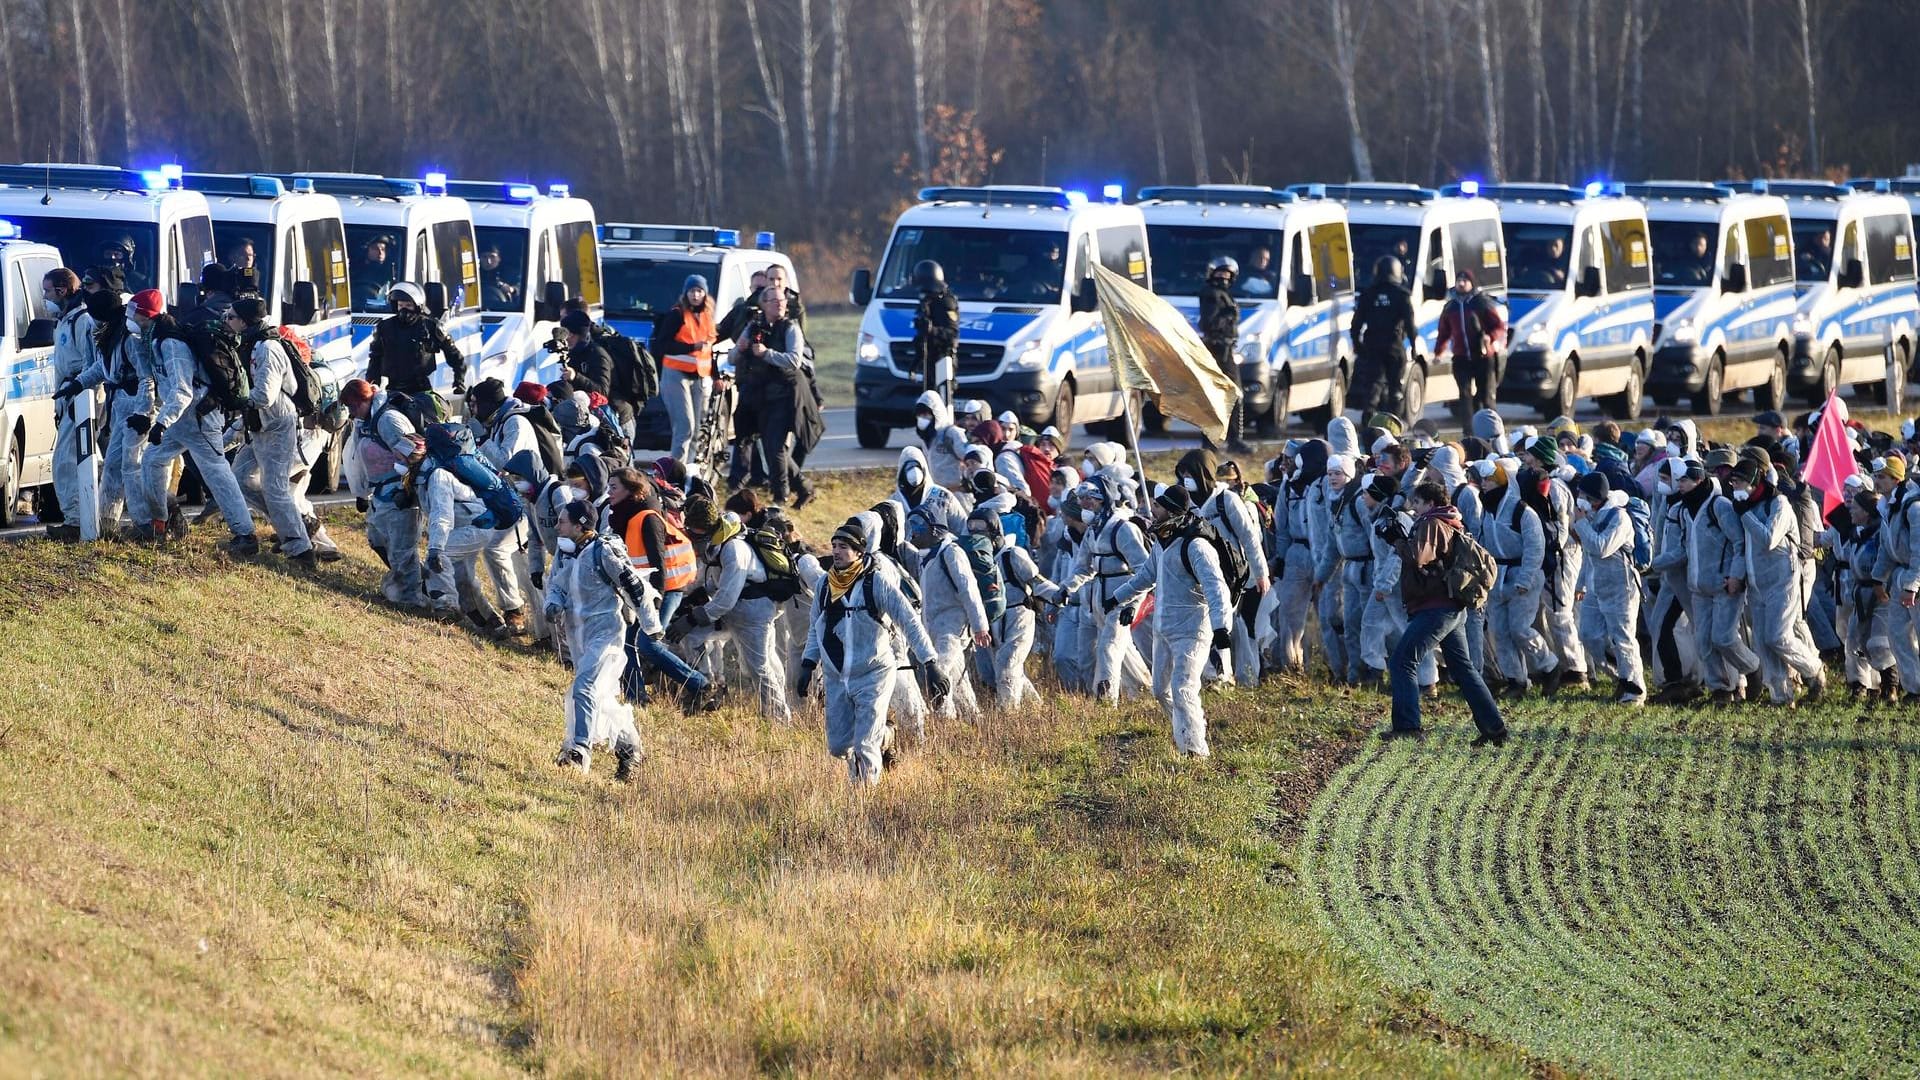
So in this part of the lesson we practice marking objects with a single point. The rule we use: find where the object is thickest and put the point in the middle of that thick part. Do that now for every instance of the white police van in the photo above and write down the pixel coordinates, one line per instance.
(1020, 262)
(1723, 294)
(1580, 294)
(644, 266)
(157, 232)
(1294, 287)
(26, 372)
(1858, 309)
(406, 230)
(1435, 237)
(536, 252)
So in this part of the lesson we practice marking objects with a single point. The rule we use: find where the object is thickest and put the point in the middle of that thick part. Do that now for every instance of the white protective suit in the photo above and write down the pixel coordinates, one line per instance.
(193, 429)
(1190, 604)
(1027, 589)
(382, 444)
(1113, 550)
(945, 443)
(589, 594)
(1773, 597)
(73, 353)
(265, 466)
(852, 639)
(1716, 551)
(128, 375)
(953, 613)
(1293, 552)
(742, 610)
(1560, 607)
(509, 432)
(1898, 567)
(459, 530)
(1610, 605)
(1238, 524)
(1518, 545)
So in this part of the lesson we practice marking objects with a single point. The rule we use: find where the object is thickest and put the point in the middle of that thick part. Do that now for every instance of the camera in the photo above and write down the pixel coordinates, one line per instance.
(557, 344)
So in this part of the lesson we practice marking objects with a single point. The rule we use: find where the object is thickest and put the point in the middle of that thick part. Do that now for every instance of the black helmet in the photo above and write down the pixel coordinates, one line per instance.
(1386, 270)
(927, 274)
(1223, 262)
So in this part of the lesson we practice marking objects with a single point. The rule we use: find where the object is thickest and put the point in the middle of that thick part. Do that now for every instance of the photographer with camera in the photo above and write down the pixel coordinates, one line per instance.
(748, 467)
(777, 349)
(587, 367)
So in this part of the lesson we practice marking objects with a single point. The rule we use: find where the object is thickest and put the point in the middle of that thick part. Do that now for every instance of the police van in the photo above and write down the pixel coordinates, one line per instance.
(1435, 237)
(26, 372)
(1294, 287)
(1723, 294)
(1020, 262)
(536, 252)
(645, 265)
(1580, 294)
(144, 222)
(1858, 309)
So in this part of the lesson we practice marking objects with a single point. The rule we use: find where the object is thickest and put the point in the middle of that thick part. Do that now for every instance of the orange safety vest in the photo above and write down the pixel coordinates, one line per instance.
(680, 570)
(696, 333)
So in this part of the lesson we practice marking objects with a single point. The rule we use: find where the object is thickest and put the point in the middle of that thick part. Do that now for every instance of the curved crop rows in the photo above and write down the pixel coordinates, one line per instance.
(1652, 893)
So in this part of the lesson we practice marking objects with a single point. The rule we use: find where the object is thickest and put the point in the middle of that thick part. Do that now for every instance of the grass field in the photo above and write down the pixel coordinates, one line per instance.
(833, 333)
(1657, 893)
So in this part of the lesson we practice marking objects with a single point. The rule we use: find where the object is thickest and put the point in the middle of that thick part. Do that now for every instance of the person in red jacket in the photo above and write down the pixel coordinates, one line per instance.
(1472, 329)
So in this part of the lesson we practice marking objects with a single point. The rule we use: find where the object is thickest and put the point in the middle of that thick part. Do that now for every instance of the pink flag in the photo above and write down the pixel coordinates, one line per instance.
(1830, 461)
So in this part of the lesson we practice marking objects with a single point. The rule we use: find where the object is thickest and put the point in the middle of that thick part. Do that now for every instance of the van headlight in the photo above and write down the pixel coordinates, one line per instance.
(1683, 332)
(1802, 326)
(1253, 350)
(1537, 338)
(1031, 358)
(869, 351)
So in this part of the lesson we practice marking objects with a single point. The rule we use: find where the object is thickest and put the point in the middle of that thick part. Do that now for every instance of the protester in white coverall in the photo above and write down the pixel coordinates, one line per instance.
(1114, 549)
(1609, 584)
(1518, 546)
(460, 530)
(384, 445)
(1773, 594)
(857, 613)
(265, 465)
(1717, 578)
(1026, 590)
(1329, 590)
(589, 594)
(73, 352)
(1191, 613)
(503, 431)
(122, 367)
(1898, 566)
(952, 610)
(739, 605)
(1563, 561)
(184, 422)
(943, 441)
(1227, 511)
(1292, 555)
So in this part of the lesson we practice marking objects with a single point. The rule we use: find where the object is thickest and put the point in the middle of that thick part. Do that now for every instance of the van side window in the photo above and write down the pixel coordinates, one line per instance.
(1849, 249)
(1769, 249)
(1332, 259)
(1300, 272)
(1476, 249)
(458, 267)
(423, 270)
(195, 248)
(326, 264)
(1123, 250)
(1889, 249)
(290, 264)
(1628, 259)
(1588, 255)
(1733, 251)
(19, 301)
(579, 259)
(1436, 258)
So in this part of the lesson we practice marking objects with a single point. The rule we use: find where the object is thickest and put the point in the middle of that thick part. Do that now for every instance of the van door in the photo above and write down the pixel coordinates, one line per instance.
(28, 385)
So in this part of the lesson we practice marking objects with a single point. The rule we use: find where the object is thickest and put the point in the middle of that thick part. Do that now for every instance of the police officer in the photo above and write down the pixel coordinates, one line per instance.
(1219, 331)
(1383, 327)
(402, 355)
(936, 328)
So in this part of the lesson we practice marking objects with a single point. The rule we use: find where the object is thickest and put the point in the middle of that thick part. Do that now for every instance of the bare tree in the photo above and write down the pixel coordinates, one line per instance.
(83, 78)
(1196, 126)
(1541, 98)
(807, 49)
(8, 73)
(1803, 9)
(773, 104)
(918, 16)
(617, 54)
(1489, 90)
(838, 102)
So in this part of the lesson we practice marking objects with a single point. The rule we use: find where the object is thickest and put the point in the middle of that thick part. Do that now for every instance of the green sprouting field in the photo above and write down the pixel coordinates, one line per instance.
(1658, 893)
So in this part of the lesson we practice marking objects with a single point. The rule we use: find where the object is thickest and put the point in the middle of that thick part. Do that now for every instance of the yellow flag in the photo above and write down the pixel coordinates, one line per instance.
(1152, 349)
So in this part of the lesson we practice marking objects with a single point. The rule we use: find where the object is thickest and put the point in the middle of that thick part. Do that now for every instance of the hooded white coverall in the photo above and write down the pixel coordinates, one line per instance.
(190, 431)
(953, 613)
(852, 638)
(266, 465)
(1610, 606)
(121, 480)
(589, 594)
(1190, 603)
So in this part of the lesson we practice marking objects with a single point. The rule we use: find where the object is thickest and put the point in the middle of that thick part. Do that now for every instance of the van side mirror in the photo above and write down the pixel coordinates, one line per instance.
(1436, 285)
(1300, 293)
(1852, 274)
(436, 299)
(39, 335)
(305, 305)
(1589, 284)
(187, 296)
(1085, 296)
(1735, 280)
(861, 291)
(553, 297)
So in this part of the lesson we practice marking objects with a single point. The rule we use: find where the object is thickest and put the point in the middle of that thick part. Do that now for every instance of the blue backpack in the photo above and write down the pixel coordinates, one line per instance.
(451, 448)
(1642, 517)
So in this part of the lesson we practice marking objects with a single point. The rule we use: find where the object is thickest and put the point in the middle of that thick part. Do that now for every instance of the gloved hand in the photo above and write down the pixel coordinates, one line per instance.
(155, 434)
(68, 389)
(459, 385)
(139, 423)
(1109, 604)
(1223, 640)
(938, 685)
(539, 578)
(362, 504)
(436, 562)
(804, 682)
(128, 385)
(699, 617)
(1129, 614)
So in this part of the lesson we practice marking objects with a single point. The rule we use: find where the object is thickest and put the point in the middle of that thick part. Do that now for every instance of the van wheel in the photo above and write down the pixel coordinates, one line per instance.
(1274, 420)
(871, 434)
(1063, 414)
(1151, 421)
(1414, 399)
(1773, 395)
(1625, 405)
(10, 484)
(1897, 356)
(331, 470)
(1566, 393)
(1829, 376)
(1707, 401)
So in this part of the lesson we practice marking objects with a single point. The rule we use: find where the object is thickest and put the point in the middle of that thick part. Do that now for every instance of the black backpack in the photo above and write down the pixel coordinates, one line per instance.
(1233, 565)
(216, 353)
(546, 433)
(636, 379)
(420, 410)
(308, 394)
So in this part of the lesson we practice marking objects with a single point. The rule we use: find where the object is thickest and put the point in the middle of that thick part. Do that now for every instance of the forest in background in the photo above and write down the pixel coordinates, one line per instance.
(818, 117)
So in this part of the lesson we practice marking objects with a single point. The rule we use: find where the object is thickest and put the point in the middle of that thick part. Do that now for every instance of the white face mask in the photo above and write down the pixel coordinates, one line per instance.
(1740, 496)
(924, 423)
(1664, 488)
(913, 476)
(1191, 485)
(52, 307)
(566, 545)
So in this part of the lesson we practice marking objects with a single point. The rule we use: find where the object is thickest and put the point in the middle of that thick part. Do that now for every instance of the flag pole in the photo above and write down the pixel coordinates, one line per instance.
(1133, 429)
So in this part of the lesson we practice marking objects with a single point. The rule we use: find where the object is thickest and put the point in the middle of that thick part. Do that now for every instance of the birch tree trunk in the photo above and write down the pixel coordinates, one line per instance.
(1803, 9)
(1196, 126)
(123, 74)
(915, 14)
(807, 47)
(1345, 35)
(83, 77)
(836, 87)
(774, 106)
(1489, 92)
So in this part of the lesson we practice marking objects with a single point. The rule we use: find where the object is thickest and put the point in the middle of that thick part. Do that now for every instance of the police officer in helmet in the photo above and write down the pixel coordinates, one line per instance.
(1219, 331)
(936, 328)
(406, 345)
(1382, 331)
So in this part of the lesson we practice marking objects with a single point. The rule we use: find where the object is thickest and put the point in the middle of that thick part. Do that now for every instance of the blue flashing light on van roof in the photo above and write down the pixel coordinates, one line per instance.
(151, 180)
(726, 237)
(1469, 188)
(435, 183)
(1315, 191)
(1595, 189)
(1113, 193)
(763, 240)
(1076, 198)
(560, 191)
(303, 185)
(521, 193)
(1011, 195)
(265, 187)
(8, 230)
(1216, 194)
(174, 173)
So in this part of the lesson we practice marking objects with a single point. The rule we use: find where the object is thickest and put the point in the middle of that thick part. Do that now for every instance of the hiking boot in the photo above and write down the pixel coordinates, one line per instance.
(1631, 694)
(1550, 684)
(1394, 734)
(1498, 738)
(1576, 681)
(802, 496)
(244, 546)
(574, 757)
(627, 757)
(1814, 690)
(64, 534)
(277, 543)
(328, 554)
(1722, 698)
(176, 524)
(306, 560)
(516, 622)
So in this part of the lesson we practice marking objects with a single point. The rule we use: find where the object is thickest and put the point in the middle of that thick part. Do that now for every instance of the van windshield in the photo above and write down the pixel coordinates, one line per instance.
(373, 264)
(85, 243)
(1372, 241)
(643, 288)
(1007, 266)
(243, 245)
(503, 266)
(1812, 249)
(1181, 254)
(1684, 253)
(1537, 255)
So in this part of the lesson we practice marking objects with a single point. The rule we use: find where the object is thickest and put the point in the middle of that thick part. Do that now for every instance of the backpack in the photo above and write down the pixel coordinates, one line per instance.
(216, 354)
(421, 410)
(1642, 517)
(308, 393)
(546, 437)
(1233, 565)
(451, 448)
(1020, 522)
(1470, 572)
(635, 376)
(986, 573)
(783, 579)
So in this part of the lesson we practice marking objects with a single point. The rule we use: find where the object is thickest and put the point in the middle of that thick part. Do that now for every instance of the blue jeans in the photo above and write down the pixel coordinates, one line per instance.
(1444, 628)
(644, 652)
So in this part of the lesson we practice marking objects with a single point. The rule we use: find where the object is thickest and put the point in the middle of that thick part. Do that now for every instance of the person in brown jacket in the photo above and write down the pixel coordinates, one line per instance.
(1424, 536)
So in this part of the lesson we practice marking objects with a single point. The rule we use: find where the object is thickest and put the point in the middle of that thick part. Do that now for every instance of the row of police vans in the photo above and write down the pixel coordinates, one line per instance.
(1691, 292)
(495, 260)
